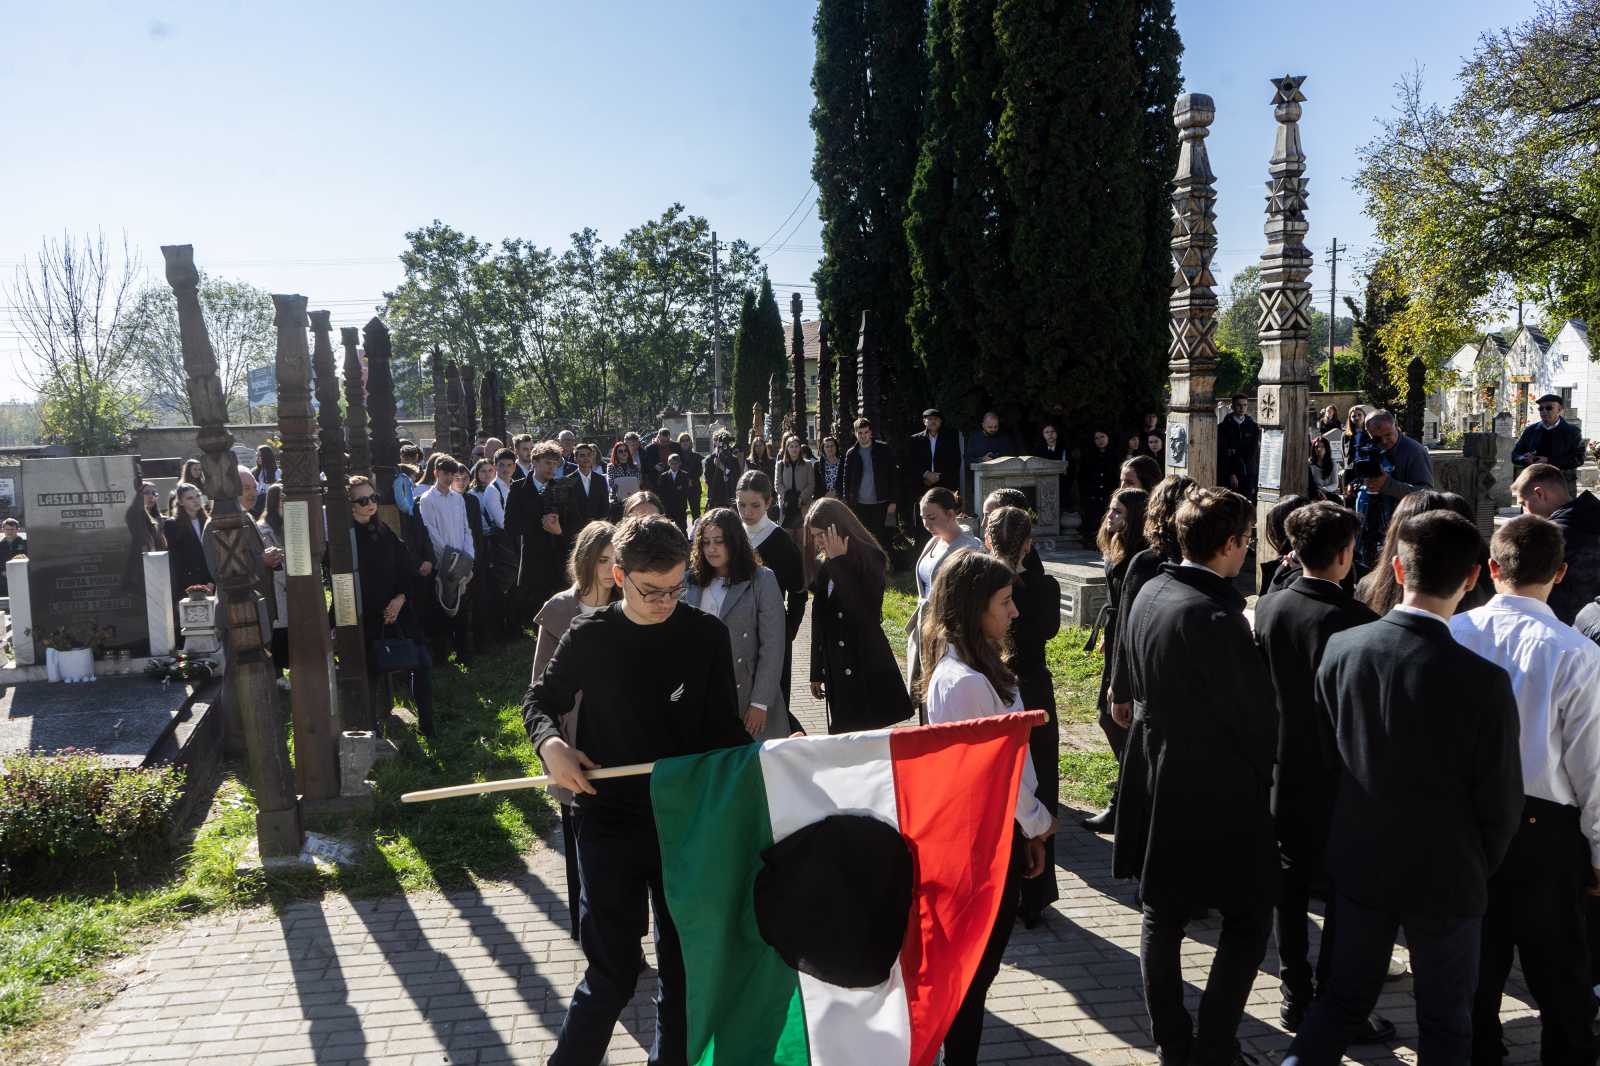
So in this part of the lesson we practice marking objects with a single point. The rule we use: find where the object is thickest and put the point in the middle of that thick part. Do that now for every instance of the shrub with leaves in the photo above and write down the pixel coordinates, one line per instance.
(67, 815)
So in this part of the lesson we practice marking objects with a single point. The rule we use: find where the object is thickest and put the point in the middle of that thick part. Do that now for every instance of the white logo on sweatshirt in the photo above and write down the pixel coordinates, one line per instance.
(677, 694)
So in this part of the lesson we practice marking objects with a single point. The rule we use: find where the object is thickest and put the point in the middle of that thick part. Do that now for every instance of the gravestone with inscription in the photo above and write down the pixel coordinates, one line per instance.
(85, 571)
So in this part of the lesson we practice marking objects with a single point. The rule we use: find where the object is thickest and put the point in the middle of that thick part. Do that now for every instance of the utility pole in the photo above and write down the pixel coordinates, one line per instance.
(1333, 298)
(716, 332)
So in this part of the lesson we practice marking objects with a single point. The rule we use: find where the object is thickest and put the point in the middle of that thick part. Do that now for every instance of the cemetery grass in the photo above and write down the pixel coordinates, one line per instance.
(1076, 672)
(53, 947)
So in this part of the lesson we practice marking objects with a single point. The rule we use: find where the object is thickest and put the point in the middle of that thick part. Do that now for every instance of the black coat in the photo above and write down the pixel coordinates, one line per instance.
(542, 556)
(595, 506)
(1580, 523)
(850, 653)
(1195, 819)
(1099, 473)
(1562, 447)
(1430, 774)
(186, 555)
(674, 493)
(1293, 628)
(386, 568)
(944, 459)
(721, 480)
(883, 474)
(780, 554)
(653, 463)
(1106, 623)
(1238, 452)
(1141, 568)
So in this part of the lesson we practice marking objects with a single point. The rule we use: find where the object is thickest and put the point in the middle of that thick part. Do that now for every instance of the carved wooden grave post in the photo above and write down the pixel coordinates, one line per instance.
(1192, 414)
(441, 403)
(824, 387)
(459, 443)
(798, 368)
(381, 411)
(236, 550)
(355, 702)
(355, 404)
(310, 653)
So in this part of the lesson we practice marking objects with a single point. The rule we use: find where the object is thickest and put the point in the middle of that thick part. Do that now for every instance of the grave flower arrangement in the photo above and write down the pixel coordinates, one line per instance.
(78, 637)
(180, 667)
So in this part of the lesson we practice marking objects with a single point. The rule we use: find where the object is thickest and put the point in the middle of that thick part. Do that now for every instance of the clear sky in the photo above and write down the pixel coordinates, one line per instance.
(293, 144)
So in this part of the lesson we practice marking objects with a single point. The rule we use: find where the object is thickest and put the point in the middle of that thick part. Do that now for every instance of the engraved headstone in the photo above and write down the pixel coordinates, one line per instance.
(85, 570)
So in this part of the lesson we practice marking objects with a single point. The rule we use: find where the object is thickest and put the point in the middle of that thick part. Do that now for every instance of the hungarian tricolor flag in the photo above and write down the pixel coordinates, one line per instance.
(834, 894)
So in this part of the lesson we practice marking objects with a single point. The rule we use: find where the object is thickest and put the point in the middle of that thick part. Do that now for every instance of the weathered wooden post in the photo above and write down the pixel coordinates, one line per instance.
(355, 404)
(381, 412)
(824, 387)
(237, 556)
(1192, 414)
(459, 444)
(846, 366)
(355, 701)
(797, 368)
(494, 415)
(1283, 399)
(441, 403)
(871, 386)
(469, 395)
(310, 653)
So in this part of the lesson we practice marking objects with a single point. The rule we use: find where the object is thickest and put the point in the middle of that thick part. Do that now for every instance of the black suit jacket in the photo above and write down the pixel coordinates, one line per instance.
(1430, 775)
(1562, 447)
(674, 493)
(1293, 627)
(542, 555)
(944, 459)
(653, 464)
(883, 473)
(593, 506)
(187, 556)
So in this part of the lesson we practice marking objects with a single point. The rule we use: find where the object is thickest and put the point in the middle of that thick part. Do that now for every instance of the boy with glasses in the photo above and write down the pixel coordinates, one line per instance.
(644, 699)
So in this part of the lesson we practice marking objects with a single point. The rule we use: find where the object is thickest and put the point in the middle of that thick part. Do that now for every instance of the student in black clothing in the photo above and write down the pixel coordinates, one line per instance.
(780, 554)
(1008, 535)
(668, 703)
(186, 556)
(388, 572)
(870, 481)
(1121, 538)
(1278, 540)
(694, 466)
(1099, 473)
(673, 488)
(1430, 791)
(1293, 628)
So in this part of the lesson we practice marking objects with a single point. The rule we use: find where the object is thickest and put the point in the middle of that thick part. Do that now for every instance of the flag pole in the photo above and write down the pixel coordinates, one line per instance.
(511, 784)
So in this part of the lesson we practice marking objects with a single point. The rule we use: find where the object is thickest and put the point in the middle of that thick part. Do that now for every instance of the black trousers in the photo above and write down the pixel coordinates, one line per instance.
(874, 516)
(1536, 908)
(1240, 948)
(1444, 967)
(1300, 851)
(1044, 751)
(619, 870)
(966, 1031)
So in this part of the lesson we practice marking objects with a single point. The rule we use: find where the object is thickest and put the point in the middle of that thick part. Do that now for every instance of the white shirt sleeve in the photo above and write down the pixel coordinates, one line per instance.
(971, 696)
(1579, 718)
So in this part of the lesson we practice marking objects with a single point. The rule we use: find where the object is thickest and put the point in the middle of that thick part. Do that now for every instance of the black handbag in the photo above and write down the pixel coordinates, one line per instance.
(392, 654)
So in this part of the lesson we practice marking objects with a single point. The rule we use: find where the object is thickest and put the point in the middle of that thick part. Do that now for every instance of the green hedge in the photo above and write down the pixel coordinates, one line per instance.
(67, 818)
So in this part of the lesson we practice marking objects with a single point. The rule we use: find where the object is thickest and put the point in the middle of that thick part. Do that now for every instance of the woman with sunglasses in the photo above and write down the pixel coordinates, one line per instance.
(388, 571)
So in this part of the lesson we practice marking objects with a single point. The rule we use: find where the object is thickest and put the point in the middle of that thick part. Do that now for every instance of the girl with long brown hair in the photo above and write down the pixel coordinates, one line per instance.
(965, 633)
(852, 666)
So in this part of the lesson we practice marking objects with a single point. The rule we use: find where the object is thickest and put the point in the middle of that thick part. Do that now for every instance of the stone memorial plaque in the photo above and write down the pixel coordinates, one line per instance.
(344, 600)
(1335, 439)
(297, 538)
(8, 492)
(1271, 475)
(85, 572)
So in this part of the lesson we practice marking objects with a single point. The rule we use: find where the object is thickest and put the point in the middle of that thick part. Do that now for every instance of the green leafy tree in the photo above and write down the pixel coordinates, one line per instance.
(1384, 355)
(748, 386)
(1239, 323)
(239, 319)
(1495, 196)
(869, 79)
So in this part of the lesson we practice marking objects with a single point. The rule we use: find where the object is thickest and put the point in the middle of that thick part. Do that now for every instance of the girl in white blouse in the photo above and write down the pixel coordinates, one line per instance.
(964, 631)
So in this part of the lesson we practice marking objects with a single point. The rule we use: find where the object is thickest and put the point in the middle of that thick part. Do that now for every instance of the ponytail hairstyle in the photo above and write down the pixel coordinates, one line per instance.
(953, 620)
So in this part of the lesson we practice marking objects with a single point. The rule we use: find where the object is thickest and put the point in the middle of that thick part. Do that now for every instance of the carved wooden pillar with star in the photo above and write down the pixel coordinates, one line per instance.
(1192, 358)
(1282, 402)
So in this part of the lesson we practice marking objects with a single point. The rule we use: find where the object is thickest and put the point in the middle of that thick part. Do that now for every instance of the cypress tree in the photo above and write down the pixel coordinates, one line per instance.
(959, 214)
(869, 79)
(749, 383)
(772, 354)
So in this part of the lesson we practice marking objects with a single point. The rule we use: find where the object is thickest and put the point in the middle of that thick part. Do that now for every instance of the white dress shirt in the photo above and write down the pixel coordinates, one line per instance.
(957, 692)
(1555, 674)
(494, 503)
(1406, 608)
(445, 516)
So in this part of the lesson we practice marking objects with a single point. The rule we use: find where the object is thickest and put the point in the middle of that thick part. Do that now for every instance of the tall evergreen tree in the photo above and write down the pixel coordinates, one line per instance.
(772, 353)
(958, 213)
(749, 383)
(869, 80)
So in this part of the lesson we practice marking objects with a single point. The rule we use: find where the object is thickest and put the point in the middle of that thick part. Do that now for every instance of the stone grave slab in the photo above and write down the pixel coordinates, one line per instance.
(123, 719)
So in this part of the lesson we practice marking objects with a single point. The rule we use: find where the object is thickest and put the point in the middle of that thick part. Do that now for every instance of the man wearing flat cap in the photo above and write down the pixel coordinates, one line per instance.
(936, 460)
(1551, 440)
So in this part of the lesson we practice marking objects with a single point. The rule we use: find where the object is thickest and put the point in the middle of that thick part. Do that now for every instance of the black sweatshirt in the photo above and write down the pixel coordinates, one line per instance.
(649, 692)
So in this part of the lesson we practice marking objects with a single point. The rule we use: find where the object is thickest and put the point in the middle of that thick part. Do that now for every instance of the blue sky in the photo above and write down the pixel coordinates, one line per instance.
(294, 144)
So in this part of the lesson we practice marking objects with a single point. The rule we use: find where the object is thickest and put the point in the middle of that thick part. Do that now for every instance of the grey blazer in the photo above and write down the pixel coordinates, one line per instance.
(914, 625)
(553, 619)
(753, 613)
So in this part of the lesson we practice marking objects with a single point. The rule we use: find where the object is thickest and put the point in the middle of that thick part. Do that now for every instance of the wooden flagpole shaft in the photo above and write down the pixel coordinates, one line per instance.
(515, 783)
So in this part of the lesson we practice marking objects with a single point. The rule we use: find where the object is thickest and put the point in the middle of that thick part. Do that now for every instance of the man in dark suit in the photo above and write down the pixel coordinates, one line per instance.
(1293, 630)
(1429, 796)
(1196, 829)
(591, 499)
(694, 466)
(673, 488)
(1543, 490)
(1551, 440)
(1239, 449)
(869, 481)
(653, 460)
(935, 457)
(533, 521)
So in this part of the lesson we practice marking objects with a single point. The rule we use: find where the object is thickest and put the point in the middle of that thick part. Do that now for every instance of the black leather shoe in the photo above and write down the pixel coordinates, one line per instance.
(1104, 822)
(1375, 1030)
(1292, 1014)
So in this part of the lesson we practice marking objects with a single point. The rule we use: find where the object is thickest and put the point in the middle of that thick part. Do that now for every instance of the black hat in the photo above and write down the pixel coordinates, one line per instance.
(1550, 397)
(933, 412)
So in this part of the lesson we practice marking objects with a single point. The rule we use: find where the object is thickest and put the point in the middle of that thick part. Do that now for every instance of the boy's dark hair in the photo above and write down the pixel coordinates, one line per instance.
(1208, 519)
(1539, 474)
(1277, 532)
(1529, 550)
(1005, 498)
(520, 439)
(754, 481)
(445, 464)
(649, 544)
(1439, 550)
(861, 423)
(1318, 532)
(547, 449)
(505, 453)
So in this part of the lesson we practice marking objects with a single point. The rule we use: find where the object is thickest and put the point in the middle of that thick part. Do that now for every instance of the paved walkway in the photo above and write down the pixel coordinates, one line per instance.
(483, 976)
